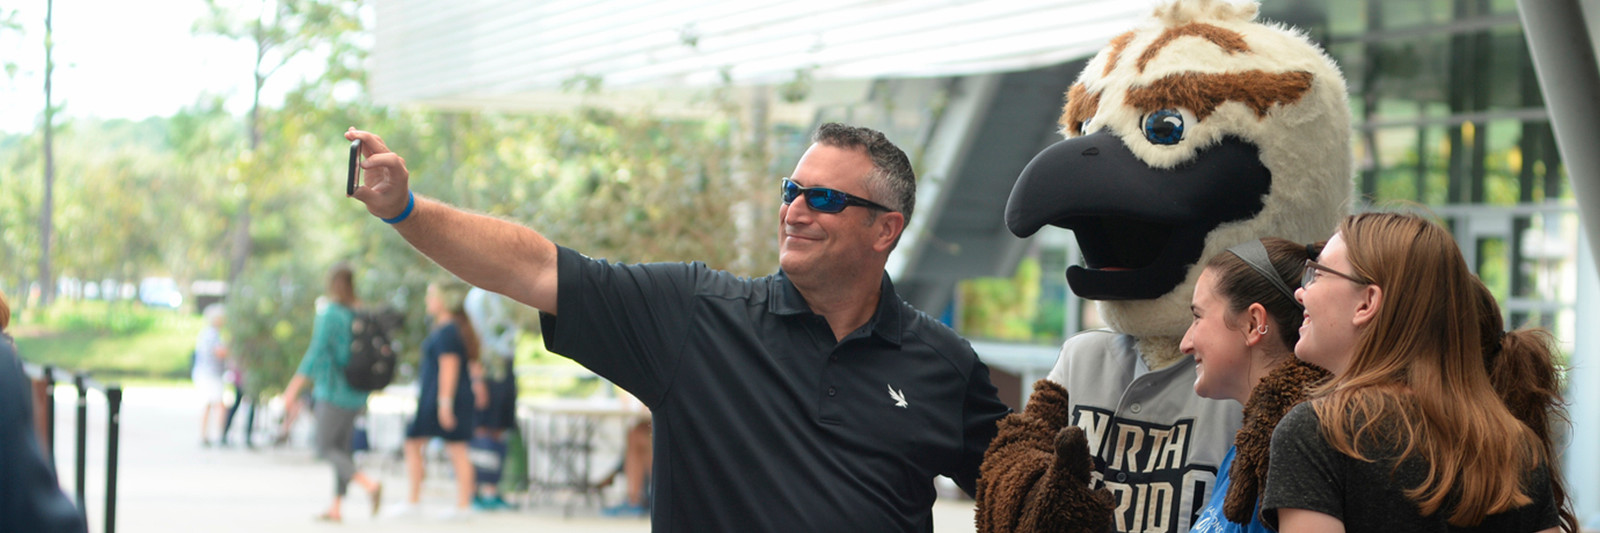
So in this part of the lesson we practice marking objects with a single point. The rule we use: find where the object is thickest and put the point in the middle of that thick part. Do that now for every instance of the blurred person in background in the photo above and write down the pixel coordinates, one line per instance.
(637, 460)
(445, 400)
(210, 355)
(495, 393)
(337, 403)
(235, 375)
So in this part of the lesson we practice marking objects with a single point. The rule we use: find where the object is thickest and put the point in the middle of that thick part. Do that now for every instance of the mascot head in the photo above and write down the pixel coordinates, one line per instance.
(1199, 130)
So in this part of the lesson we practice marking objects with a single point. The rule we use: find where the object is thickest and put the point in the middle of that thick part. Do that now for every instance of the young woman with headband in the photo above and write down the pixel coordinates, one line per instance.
(1246, 321)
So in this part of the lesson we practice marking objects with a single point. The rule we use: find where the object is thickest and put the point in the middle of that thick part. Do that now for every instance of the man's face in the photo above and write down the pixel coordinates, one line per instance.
(813, 242)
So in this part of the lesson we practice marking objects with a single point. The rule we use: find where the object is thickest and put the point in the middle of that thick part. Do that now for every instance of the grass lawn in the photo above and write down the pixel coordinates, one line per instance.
(111, 341)
(129, 343)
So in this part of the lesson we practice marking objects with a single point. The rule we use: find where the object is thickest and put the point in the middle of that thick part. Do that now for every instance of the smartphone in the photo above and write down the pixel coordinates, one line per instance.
(355, 157)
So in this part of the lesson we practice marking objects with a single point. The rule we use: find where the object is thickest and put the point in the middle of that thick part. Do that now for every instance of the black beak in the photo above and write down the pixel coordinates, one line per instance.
(1140, 228)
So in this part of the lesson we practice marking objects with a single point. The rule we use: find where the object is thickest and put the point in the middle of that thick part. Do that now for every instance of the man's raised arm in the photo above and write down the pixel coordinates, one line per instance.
(484, 251)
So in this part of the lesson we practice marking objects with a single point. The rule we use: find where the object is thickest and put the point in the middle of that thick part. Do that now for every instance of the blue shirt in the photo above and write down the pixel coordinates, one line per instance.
(442, 340)
(1212, 519)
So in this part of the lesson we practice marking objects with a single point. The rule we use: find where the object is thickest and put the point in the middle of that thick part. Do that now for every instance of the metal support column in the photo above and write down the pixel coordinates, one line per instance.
(1563, 54)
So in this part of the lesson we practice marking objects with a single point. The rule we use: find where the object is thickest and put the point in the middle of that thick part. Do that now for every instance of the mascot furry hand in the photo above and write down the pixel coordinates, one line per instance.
(1199, 130)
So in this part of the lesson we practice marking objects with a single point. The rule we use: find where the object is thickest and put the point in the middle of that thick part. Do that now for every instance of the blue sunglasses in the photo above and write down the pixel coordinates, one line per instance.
(824, 199)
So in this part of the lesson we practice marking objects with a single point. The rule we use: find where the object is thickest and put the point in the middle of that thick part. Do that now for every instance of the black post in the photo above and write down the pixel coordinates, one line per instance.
(50, 416)
(114, 407)
(83, 442)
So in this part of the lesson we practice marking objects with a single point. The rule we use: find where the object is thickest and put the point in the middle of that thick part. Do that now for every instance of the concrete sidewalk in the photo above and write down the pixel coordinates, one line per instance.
(168, 482)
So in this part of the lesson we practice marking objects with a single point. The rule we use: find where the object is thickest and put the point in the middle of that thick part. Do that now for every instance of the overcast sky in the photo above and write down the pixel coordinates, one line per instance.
(120, 59)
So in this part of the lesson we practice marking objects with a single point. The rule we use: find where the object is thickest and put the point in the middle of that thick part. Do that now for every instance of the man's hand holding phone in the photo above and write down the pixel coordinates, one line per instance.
(378, 177)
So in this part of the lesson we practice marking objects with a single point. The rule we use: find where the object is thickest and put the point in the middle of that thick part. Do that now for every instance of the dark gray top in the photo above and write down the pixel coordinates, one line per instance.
(1308, 473)
(762, 421)
(30, 497)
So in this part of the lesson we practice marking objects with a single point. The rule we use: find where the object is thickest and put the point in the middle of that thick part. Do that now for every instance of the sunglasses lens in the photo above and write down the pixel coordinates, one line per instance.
(819, 199)
(790, 191)
(825, 200)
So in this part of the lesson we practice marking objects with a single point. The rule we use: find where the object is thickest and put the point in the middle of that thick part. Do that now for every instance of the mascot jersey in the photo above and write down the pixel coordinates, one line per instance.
(1157, 447)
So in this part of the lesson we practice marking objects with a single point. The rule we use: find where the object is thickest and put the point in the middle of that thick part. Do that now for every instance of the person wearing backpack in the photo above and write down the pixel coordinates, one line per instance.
(337, 402)
(445, 397)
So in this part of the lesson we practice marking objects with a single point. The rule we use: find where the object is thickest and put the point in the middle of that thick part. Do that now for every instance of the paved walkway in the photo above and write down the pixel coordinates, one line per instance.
(168, 482)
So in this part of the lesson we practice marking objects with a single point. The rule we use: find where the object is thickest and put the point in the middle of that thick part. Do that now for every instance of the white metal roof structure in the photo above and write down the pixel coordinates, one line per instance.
(518, 55)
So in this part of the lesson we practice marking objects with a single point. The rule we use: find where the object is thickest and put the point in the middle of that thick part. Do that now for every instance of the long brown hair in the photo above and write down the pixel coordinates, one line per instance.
(1420, 373)
(1523, 369)
(453, 293)
(5, 312)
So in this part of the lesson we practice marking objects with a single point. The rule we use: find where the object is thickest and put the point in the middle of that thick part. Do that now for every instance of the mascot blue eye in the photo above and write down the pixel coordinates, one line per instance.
(1164, 126)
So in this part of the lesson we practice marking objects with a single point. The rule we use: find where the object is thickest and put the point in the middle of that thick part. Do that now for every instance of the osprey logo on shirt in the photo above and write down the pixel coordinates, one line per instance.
(898, 397)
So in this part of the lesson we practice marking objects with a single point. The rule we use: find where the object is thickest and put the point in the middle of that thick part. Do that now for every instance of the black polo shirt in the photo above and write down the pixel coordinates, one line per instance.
(762, 421)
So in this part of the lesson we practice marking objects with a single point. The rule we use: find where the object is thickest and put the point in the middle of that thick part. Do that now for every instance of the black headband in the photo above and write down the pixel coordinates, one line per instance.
(1254, 253)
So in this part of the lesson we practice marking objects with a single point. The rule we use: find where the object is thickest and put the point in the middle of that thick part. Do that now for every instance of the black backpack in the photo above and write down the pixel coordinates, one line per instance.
(372, 353)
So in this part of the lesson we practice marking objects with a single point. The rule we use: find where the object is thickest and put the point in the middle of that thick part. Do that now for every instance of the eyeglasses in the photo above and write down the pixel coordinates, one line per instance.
(824, 199)
(1312, 267)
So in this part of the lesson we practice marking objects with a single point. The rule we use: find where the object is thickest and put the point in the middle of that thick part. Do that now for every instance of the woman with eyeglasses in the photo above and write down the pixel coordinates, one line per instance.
(1410, 434)
(1246, 322)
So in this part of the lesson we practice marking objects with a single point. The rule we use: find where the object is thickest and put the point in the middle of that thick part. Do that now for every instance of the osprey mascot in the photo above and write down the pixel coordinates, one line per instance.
(1198, 130)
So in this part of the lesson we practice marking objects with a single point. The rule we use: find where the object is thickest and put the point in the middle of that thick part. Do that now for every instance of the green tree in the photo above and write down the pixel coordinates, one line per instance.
(46, 211)
(9, 23)
(279, 31)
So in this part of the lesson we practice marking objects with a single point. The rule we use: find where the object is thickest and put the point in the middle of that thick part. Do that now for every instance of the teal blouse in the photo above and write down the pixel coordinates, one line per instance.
(326, 357)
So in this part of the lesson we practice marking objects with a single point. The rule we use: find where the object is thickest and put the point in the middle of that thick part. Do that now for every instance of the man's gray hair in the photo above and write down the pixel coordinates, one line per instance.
(892, 182)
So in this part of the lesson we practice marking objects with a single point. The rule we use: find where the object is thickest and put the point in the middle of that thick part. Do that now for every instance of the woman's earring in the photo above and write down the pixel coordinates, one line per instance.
(1262, 330)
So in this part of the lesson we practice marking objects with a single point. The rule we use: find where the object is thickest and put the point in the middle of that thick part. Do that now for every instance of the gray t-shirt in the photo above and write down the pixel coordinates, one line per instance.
(1156, 444)
(1308, 473)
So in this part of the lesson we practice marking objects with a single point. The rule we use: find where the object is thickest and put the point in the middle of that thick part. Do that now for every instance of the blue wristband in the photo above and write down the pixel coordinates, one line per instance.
(411, 202)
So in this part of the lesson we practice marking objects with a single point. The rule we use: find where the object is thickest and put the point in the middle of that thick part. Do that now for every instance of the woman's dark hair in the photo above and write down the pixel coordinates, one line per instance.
(1523, 371)
(1241, 285)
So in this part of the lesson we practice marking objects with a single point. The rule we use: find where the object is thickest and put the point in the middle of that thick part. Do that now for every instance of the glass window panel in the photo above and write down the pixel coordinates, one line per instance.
(1412, 73)
(1494, 266)
(1549, 246)
(1402, 14)
(1542, 170)
(1433, 176)
(1502, 162)
(1352, 60)
(1347, 17)
(1397, 163)
(1511, 82)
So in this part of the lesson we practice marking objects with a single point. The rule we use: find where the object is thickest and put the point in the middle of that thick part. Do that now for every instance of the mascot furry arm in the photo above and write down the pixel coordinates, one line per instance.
(1196, 131)
(1035, 475)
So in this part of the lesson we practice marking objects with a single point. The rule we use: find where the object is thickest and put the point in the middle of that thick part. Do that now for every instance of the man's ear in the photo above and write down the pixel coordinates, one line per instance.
(889, 226)
(1367, 308)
